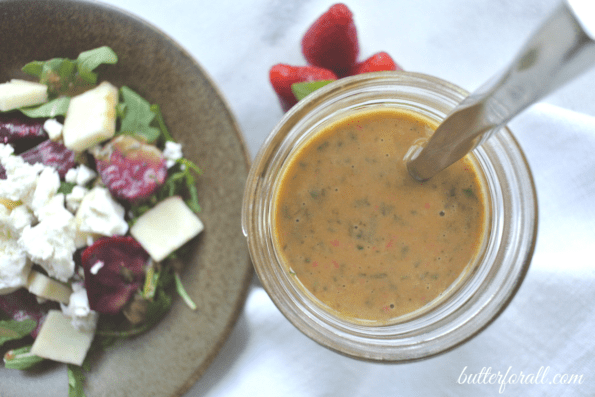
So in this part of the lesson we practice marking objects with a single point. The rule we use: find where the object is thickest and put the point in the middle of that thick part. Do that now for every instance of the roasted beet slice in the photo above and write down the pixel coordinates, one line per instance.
(53, 154)
(131, 169)
(2, 172)
(114, 269)
(21, 132)
(21, 305)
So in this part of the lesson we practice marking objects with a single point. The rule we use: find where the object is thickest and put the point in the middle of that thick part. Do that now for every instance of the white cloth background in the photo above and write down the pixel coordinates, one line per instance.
(549, 325)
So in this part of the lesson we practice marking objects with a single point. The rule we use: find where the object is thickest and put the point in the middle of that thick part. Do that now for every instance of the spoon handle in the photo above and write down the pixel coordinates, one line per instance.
(562, 48)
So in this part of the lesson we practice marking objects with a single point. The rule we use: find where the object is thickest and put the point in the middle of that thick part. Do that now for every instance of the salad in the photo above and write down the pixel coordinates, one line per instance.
(97, 206)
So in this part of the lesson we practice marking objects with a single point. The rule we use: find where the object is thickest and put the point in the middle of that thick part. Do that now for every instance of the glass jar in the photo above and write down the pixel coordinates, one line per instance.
(472, 302)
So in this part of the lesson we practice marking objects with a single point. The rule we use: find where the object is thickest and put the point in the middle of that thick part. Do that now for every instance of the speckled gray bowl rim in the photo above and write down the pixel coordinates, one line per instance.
(231, 159)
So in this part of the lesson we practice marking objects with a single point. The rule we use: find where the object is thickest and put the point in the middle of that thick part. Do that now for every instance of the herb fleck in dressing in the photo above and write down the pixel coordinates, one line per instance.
(359, 233)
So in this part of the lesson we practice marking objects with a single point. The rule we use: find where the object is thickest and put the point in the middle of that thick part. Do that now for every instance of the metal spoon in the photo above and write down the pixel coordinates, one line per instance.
(562, 48)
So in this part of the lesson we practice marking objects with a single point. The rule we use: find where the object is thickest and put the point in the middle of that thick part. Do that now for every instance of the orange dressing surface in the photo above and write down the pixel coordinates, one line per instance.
(359, 233)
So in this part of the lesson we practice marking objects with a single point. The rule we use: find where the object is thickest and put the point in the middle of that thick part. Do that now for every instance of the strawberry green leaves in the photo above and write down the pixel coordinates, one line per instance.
(300, 90)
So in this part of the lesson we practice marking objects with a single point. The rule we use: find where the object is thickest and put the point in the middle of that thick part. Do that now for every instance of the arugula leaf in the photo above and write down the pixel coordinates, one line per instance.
(300, 90)
(158, 307)
(13, 329)
(180, 182)
(53, 108)
(87, 61)
(137, 116)
(76, 381)
(57, 73)
(159, 118)
(21, 358)
(34, 68)
(182, 292)
(63, 74)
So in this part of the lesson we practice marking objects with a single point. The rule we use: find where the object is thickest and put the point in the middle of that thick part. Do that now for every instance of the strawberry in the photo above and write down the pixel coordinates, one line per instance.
(53, 154)
(114, 270)
(282, 76)
(378, 62)
(331, 42)
(21, 132)
(131, 169)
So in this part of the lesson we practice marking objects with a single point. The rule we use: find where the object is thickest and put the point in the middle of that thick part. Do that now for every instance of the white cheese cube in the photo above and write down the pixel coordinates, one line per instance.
(47, 288)
(59, 340)
(166, 227)
(20, 93)
(91, 117)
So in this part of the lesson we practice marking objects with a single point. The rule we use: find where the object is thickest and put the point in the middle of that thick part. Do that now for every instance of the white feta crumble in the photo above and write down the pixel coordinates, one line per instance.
(42, 228)
(48, 183)
(14, 266)
(19, 218)
(99, 213)
(83, 318)
(54, 206)
(54, 129)
(172, 152)
(96, 267)
(75, 197)
(21, 177)
(51, 244)
(12, 222)
(80, 175)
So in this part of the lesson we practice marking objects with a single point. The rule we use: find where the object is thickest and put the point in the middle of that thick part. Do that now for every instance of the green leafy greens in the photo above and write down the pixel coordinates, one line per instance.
(21, 358)
(14, 330)
(136, 116)
(53, 108)
(76, 381)
(63, 74)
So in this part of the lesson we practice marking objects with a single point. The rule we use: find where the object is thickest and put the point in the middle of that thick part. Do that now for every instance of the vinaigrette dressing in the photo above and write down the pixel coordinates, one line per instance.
(359, 233)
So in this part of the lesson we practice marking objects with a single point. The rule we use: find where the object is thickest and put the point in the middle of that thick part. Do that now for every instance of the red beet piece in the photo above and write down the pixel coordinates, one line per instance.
(131, 169)
(21, 305)
(331, 42)
(120, 275)
(53, 154)
(21, 132)
(378, 62)
(282, 76)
